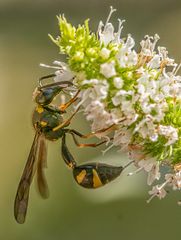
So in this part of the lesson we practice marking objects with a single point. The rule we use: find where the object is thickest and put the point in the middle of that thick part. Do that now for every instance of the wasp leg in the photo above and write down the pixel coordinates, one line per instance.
(92, 134)
(82, 145)
(52, 84)
(45, 77)
(63, 107)
(56, 84)
(67, 156)
(66, 122)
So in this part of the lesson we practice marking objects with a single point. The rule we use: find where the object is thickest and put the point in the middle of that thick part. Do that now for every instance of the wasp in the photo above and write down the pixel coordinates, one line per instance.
(48, 122)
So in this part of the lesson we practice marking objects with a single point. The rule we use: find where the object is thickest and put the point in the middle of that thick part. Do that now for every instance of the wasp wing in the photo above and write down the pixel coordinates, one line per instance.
(41, 164)
(22, 196)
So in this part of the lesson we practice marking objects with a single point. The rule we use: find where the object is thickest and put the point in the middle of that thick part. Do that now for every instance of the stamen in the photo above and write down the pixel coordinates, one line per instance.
(110, 14)
(164, 184)
(158, 191)
(149, 200)
(177, 68)
(48, 66)
(156, 38)
(60, 64)
(120, 27)
(107, 149)
(135, 172)
(100, 26)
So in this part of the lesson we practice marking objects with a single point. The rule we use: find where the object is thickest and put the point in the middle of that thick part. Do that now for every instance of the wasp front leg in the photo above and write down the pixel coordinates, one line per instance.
(64, 106)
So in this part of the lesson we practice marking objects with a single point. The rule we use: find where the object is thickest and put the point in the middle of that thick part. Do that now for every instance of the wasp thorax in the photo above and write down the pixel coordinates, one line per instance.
(45, 120)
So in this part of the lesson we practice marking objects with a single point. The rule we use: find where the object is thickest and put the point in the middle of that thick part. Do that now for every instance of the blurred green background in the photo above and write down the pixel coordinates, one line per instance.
(117, 211)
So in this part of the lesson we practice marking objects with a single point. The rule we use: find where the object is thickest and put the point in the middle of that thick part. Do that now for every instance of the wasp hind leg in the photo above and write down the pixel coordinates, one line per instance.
(82, 145)
(93, 134)
(66, 155)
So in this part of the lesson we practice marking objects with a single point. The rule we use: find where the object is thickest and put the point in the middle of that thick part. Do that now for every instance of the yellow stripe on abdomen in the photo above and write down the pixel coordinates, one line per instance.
(80, 177)
(96, 180)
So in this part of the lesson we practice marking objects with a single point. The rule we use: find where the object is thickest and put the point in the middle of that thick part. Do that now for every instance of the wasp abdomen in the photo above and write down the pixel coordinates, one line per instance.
(95, 175)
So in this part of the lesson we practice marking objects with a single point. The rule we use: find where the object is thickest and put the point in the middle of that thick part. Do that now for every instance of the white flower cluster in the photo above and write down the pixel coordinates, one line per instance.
(133, 92)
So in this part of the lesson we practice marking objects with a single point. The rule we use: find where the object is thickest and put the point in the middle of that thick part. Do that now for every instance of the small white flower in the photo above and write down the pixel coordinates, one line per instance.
(146, 127)
(148, 45)
(96, 113)
(63, 72)
(164, 57)
(105, 53)
(84, 98)
(154, 173)
(118, 82)
(126, 56)
(106, 33)
(169, 132)
(122, 137)
(174, 180)
(157, 191)
(120, 97)
(108, 69)
(117, 35)
(147, 164)
(155, 62)
(116, 115)
(100, 90)
(91, 82)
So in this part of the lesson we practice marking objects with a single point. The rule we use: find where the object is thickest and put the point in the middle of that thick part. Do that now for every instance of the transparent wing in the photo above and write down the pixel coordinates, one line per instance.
(22, 196)
(41, 164)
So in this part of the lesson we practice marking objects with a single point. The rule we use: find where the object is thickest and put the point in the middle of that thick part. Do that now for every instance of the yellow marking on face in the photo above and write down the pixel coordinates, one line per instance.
(96, 180)
(39, 109)
(80, 177)
(43, 124)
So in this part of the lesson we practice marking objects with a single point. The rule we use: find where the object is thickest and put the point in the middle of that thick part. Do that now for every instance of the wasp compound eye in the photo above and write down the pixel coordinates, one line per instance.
(45, 96)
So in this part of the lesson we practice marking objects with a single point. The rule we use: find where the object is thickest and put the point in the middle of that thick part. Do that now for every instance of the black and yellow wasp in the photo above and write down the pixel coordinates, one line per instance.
(49, 124)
